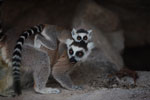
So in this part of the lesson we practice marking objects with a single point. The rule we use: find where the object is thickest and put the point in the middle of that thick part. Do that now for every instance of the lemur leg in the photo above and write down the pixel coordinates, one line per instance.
(40, 40)
(40, 64)
(61, 72)
(65, 80)
(40, 80)
(6, 81)
(61, 49)
(40, 75)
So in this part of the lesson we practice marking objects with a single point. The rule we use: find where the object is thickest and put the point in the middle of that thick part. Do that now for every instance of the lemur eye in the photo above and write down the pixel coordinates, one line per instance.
(79, 54)
(85, 37)
(79, 37)
(71, 52)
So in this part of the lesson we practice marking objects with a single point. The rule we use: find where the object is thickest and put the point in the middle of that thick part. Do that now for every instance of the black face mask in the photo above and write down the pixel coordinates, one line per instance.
(72, 60)
(82, 42)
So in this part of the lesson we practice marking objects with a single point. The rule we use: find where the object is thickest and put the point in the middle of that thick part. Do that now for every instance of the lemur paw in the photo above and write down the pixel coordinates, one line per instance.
(68, 42)
(75, 87)
(48, 91)
(8, 93)
(91, 45)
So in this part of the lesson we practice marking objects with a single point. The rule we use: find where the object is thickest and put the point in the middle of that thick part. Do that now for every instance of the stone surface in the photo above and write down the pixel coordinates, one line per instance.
(141, 92)
(134, 18)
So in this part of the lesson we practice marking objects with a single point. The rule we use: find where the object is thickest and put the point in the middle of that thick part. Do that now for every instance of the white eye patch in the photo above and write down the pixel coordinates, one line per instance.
(75, 49)
(68, 42)
(80, 36)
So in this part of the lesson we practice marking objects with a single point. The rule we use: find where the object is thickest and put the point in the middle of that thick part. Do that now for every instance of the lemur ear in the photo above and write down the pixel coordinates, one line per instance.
(73, 31)
(68, 42)
(90, 31)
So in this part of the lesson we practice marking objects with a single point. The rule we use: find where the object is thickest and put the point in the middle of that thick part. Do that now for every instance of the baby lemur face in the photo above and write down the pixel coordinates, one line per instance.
(78, 51)
(81, 35)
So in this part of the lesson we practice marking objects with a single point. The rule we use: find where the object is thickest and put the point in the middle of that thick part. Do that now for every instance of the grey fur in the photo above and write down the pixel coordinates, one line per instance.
(37, 61)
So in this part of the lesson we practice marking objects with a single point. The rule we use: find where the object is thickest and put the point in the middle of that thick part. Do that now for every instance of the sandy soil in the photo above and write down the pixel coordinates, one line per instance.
(101, 94)
(140, 92)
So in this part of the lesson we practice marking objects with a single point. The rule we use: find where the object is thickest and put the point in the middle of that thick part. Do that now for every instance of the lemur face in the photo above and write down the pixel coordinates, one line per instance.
(81, 35)
(77, 51)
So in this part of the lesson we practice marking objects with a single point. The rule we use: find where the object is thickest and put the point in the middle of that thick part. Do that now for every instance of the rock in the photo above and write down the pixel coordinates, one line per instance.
(107, 35)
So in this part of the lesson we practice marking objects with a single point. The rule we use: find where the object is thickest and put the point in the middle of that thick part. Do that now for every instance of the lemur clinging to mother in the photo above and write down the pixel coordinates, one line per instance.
(45, 53)
(51, 37)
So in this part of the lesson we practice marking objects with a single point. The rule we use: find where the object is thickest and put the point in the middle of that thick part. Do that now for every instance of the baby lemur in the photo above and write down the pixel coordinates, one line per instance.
(43, 53)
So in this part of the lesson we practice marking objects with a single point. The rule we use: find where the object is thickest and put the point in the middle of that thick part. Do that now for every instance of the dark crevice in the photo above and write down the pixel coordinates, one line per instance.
(137, 58)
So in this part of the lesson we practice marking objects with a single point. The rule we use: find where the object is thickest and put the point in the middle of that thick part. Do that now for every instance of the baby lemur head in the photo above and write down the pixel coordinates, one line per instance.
(81, 35)
(78, 51)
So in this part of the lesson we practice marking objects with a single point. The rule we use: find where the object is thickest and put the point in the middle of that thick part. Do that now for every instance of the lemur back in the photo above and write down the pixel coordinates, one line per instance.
(47, 40)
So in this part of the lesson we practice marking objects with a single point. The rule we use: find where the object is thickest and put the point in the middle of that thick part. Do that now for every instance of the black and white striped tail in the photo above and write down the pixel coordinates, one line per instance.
(16, 59)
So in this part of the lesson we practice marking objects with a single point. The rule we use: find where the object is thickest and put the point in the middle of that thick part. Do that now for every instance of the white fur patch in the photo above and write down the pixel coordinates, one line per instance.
(90, 45)
(15, 68)
(7, 61)
(74, 34)
(18, 63)
(68, 42)
(16, 56)
(4, 56)
(45, 35)
(47, 90)
(73, 31)
(51, 48)
(22, 37)
(76, 48)
(37, 43)
(14, 72)
(20, 43)
(82, 34)
(37, 28)
(18, 50)
(90, 31)
(10, 64)
(32, 31)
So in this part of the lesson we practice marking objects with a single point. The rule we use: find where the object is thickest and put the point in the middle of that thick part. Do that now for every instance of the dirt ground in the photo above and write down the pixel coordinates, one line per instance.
(140, 92)
(102, 94)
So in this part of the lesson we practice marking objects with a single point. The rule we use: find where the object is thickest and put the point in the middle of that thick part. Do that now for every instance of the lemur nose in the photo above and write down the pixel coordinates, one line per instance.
(82, 42)
(73, 60)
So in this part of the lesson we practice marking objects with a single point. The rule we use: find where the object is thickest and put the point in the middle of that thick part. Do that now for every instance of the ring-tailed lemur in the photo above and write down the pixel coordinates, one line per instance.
(81, 35)
(5, 71)
(51, 36)
(80, 48)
